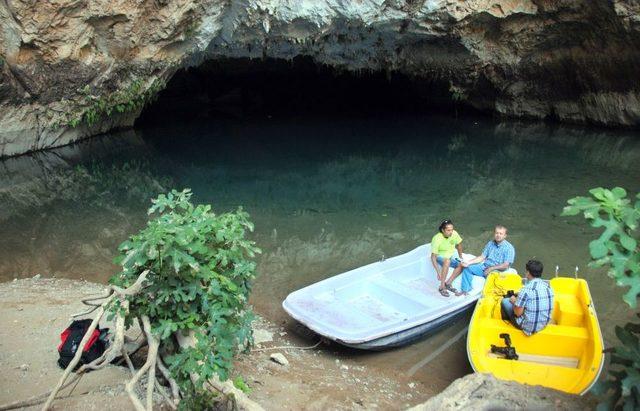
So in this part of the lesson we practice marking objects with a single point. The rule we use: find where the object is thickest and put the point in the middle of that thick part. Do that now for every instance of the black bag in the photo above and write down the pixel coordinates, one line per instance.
(71, 338)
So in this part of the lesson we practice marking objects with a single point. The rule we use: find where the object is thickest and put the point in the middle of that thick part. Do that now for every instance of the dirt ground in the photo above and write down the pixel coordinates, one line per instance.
(34, 311)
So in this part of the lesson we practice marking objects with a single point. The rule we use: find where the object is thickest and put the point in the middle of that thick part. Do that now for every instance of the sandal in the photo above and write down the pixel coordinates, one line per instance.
(443, 292)
(453, 290)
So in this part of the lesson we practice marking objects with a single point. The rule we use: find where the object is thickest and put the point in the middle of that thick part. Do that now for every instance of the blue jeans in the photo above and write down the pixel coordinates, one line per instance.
(452, 262)
(468, 273)
(506, 309)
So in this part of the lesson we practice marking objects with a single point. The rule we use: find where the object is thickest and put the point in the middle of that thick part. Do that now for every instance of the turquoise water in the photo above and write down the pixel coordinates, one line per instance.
(325, 197)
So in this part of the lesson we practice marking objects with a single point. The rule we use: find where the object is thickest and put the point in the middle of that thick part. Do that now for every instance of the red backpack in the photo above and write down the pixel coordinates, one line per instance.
(71, 338)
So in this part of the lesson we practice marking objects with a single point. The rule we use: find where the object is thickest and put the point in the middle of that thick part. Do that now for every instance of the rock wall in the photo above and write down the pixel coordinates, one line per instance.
(75, 68)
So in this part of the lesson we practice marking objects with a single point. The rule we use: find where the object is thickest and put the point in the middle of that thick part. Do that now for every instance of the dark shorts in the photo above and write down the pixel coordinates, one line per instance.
(506, 308)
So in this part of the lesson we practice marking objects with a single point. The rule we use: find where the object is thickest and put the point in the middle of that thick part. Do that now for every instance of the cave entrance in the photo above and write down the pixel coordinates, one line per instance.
(298, 87)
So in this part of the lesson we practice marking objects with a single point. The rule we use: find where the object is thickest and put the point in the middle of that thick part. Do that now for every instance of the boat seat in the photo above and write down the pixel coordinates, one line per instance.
(580, 333)
(568, 311)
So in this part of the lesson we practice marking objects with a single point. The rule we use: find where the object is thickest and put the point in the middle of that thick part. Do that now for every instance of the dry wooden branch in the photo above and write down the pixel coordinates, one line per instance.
(76, 358)
(150, 363)
(117, 343)
(168, 400)
(226, 388)
(134, 288)
(109, 354)
(151, 380)
(132, 369)
(88, 301)
(87, 312)
(175, 390)
(171, 402)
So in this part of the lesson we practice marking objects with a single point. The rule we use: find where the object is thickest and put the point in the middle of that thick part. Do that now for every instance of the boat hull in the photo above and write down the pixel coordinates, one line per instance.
(411, 335)
(381, 305)
(566, 355)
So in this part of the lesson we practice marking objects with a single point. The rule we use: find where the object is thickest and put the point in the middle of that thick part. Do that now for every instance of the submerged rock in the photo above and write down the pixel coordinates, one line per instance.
(69, 70)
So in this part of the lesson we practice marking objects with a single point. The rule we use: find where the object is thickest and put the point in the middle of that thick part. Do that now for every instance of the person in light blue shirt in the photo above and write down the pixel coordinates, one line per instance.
(531, 310)
(498, 255)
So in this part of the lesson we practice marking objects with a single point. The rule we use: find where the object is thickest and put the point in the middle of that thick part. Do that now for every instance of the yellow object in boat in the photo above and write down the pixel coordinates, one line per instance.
(566, 355)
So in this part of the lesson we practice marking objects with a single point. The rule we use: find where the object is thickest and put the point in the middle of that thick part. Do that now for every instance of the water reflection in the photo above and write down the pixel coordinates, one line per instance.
(325, 197)
(65, 211)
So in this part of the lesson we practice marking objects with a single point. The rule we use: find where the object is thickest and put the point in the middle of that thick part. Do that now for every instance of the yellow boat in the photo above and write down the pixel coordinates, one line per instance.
(566, 355)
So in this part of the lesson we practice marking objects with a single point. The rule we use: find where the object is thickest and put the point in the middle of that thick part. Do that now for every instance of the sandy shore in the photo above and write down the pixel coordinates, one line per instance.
(33, 312)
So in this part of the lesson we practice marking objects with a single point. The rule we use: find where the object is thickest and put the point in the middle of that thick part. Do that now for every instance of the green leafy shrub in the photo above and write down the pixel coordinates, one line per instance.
(623, 390)
(200, 277)
(617, 249)
(617, 246)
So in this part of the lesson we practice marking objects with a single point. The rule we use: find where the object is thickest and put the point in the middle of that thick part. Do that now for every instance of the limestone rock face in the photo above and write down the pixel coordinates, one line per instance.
(484, 392)
(74, 68)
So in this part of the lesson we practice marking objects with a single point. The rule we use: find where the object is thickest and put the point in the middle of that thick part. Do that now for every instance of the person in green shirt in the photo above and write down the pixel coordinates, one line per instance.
(443, 247)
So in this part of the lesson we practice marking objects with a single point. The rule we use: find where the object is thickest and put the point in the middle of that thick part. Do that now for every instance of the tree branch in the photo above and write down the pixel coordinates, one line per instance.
(110, 353)
(151, 361)
(227, 388)
(76, 358)
(175, 390)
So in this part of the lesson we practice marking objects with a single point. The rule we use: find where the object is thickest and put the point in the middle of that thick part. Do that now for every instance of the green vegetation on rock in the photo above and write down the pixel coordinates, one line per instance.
(617, 249)
(622, 389)
(129, 99)
(617, 246)
(457, 93)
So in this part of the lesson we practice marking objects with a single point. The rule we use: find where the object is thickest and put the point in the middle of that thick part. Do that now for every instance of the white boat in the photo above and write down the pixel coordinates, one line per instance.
(381, 305)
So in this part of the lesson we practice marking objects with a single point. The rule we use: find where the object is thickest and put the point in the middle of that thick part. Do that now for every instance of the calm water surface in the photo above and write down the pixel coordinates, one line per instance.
(325, 198)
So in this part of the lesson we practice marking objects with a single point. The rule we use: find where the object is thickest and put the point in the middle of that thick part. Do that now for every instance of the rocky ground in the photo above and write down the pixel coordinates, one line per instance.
(34, 311)
(484, 392)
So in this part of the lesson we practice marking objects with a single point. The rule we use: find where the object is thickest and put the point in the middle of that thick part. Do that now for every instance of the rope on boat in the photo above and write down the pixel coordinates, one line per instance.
(289, 347)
